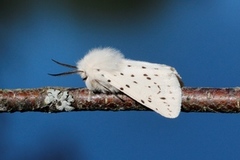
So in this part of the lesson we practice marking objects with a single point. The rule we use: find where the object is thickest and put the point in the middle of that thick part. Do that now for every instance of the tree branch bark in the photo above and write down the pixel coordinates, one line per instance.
(56, 99)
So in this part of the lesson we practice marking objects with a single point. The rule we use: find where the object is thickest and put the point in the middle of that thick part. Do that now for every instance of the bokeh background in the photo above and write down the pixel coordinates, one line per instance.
(201, 39)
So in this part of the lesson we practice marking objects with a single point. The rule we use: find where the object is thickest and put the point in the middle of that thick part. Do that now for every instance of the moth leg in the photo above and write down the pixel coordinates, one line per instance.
(109, 91)
(89, 95)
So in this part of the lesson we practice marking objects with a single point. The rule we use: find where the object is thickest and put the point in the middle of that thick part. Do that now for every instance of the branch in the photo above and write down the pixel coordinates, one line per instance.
(55, 99)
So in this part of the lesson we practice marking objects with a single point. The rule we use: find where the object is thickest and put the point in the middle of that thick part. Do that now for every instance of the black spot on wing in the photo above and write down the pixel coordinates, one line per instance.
(127, 86)
(159, 89)
(149, 100)
(121, 88)
(132, 75)
(142, 101)
(148, 78)
(109, 80)
(121, 74)
(163, 98)
(135, 82)
(143, 67)
(169, 110)
(129, 65)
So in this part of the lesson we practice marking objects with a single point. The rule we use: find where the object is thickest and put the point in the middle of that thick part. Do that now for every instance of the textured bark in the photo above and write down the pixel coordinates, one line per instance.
(55, 99)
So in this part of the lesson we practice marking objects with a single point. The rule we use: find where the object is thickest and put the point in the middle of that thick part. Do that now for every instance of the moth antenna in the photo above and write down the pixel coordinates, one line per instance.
(63, 64)
(64, 73)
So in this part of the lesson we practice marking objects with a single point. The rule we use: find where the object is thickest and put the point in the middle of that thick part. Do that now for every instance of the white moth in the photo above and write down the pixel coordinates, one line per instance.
(155, 86)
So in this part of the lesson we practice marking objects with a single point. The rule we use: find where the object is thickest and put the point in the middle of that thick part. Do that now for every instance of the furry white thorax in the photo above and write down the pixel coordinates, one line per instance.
(100, 59)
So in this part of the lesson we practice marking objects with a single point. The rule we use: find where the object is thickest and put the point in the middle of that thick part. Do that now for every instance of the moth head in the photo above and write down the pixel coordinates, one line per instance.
(76, 70)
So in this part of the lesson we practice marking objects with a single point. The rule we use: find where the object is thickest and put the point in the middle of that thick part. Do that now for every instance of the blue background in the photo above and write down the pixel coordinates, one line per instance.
(201, 39)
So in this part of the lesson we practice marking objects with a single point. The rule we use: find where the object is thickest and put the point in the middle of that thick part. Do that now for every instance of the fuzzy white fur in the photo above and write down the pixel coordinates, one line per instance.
(155, 86)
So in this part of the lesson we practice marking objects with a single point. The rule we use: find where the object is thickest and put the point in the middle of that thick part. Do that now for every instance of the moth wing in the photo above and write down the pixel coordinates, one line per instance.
(155, 86)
